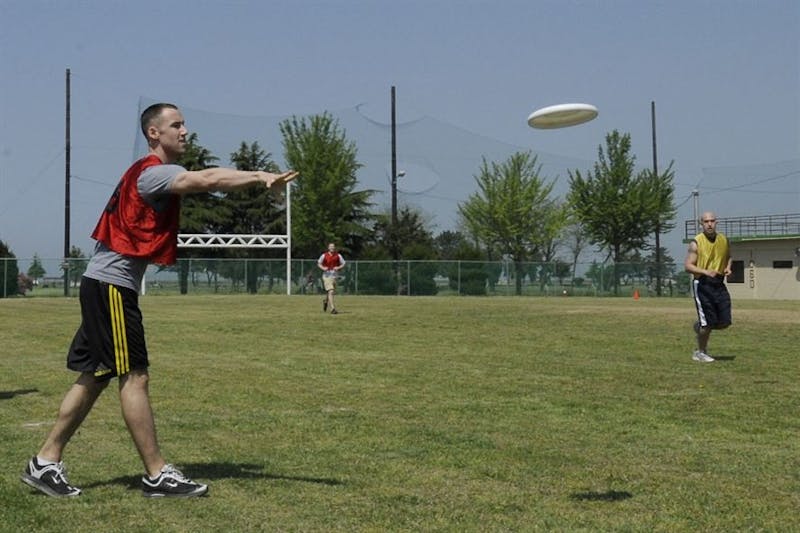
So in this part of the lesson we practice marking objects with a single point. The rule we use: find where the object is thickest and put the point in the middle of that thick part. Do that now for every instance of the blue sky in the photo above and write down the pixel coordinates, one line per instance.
(725, 76)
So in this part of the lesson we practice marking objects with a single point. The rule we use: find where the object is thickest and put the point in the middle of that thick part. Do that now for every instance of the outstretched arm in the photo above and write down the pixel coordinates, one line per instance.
(226, 179)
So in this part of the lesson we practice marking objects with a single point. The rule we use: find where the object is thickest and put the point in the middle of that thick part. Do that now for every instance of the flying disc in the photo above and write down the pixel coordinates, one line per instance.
(561, 116)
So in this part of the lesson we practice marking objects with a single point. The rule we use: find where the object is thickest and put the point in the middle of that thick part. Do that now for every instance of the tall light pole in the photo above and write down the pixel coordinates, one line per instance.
(395, 254)
(658, 215)
(67, 150)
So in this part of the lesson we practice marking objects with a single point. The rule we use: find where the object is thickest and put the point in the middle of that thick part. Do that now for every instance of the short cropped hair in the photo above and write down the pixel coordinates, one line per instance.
(151, 113)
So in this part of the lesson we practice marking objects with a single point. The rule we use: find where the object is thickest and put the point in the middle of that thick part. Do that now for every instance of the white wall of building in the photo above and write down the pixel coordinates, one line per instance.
(762, 280)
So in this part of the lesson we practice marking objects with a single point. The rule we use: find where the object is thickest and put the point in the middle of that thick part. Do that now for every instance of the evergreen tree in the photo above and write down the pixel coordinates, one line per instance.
(255, 211)
(200, 212)
(415, 243)
(36, 271)
(77, 264)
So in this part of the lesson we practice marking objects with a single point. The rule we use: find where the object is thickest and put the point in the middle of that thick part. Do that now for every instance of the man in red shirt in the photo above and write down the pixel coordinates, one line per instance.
(330, 262)
(139, 226)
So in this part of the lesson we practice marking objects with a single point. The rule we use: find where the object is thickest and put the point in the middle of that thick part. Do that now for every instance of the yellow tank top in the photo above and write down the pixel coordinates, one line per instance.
(712, 255)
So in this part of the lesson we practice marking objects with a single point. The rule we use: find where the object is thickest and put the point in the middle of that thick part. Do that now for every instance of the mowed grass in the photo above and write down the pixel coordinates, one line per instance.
(422, 414)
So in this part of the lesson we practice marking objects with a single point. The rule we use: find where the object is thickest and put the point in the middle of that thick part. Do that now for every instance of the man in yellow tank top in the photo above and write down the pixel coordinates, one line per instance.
(709, 261)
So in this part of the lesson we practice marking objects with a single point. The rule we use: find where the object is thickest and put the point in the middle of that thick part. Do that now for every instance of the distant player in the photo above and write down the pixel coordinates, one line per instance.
(709, 261)
(330, 262)
(138, 226)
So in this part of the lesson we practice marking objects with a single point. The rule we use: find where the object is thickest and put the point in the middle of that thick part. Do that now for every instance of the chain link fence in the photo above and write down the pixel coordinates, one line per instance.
(407, 278)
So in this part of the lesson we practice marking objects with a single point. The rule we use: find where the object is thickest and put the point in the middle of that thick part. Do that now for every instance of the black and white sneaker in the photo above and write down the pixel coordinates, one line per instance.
(49, 478)
(171, 483)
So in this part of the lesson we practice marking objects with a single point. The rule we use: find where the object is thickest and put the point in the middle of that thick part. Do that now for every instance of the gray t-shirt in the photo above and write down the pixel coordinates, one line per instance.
(109, 266)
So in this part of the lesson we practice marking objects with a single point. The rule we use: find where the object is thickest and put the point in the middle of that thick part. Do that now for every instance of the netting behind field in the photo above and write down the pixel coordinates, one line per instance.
(751, 190)
(439, 159)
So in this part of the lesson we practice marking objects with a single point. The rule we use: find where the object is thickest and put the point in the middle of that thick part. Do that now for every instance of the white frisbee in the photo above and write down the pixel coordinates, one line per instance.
(561, 116)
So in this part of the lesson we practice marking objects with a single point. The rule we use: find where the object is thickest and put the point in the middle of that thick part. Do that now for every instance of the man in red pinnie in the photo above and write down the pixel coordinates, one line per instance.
(331, 262)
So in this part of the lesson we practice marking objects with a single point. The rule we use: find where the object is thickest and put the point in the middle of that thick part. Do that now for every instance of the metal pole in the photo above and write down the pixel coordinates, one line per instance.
(658, 222)
(394, 180)
(66, 190)
(289, 239)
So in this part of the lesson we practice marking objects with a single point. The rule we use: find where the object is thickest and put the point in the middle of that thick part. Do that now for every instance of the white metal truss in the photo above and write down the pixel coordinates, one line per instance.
(200, 240)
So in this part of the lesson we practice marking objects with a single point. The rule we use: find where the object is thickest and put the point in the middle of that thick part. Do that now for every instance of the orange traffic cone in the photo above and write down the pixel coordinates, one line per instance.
(635, 294)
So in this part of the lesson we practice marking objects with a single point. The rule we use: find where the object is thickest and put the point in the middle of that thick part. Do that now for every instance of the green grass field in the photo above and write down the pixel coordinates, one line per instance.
(422, 414)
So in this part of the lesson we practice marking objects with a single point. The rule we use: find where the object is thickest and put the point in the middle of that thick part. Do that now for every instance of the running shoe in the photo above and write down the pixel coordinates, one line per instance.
(702, 357)
(49, 478)
(171, 483)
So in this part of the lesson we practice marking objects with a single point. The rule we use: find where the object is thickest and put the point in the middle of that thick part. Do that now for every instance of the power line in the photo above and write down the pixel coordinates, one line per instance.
(95, 181)
(686, 200)
(24, 190)
(757, 182)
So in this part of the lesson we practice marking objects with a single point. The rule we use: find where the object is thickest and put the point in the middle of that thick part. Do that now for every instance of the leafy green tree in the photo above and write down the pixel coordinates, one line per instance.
(9, 271)
(614, 204)
(512, 211)
(326, 207)
(36, 271)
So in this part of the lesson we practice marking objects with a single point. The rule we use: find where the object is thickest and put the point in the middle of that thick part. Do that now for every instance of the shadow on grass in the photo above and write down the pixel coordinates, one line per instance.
(607, 496)
(210, 471)
(8, 394)
(724, 358)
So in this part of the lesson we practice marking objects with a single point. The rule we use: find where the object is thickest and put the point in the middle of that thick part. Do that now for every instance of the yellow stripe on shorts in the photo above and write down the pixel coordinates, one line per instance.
(121, 355)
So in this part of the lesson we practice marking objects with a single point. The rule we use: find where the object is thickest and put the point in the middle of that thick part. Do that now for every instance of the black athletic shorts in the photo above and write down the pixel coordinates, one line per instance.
(713, 301)
(110, 340)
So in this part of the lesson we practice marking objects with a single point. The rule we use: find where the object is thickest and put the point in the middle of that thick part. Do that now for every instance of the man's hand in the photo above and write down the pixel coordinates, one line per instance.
(277, 180)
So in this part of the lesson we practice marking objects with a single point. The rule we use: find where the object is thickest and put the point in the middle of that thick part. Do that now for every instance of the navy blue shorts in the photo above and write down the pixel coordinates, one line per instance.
(713, 302)
(110, 340)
